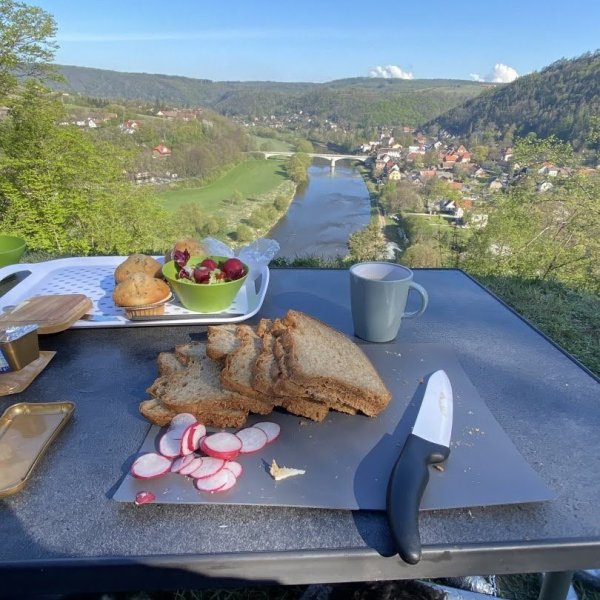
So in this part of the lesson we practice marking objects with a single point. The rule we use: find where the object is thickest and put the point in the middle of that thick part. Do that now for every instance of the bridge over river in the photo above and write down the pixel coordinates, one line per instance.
(332, 158)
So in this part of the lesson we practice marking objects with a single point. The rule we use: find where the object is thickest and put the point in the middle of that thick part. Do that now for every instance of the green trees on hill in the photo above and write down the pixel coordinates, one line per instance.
(560, 100)
(66, 194)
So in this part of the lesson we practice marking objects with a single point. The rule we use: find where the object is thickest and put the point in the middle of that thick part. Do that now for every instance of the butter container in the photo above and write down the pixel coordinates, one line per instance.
(19, 346)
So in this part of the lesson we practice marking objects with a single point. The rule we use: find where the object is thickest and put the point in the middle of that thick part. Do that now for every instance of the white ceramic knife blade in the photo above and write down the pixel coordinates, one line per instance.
(428, 443)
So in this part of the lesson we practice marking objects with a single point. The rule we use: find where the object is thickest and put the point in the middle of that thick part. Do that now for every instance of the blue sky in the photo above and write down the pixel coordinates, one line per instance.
(324, 40)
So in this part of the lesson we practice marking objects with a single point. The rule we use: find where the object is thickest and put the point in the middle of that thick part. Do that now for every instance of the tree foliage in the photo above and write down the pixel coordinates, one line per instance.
(26, 45)
(367, 243)
(560, 100)
(550, 236)
(67, 195)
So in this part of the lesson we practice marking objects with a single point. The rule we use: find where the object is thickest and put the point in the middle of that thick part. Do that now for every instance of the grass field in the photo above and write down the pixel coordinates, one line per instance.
(251, 178)
(271, 144)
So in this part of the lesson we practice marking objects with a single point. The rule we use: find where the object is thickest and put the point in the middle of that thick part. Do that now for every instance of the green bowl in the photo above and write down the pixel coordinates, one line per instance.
(202, 297)
(11, 249)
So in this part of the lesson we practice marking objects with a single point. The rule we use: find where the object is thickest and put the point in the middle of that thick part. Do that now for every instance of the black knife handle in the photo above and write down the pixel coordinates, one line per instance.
(405, 490)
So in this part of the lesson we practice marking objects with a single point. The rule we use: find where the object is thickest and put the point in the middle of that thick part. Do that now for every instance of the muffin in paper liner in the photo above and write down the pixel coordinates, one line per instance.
(147, 310)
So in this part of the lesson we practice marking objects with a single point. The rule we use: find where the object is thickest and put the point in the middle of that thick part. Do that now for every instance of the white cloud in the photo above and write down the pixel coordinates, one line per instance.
(500, 74)
(390, 72)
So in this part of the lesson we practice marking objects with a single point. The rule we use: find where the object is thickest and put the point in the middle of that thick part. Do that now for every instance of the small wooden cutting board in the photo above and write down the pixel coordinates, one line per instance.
(51, 314)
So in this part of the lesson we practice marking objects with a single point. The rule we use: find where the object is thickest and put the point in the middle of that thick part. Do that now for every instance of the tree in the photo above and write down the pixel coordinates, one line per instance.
(401, 196)
(554, 235)
(26, 47)
(480, 153)
(304, 146)
(66, 195)
(367, 243)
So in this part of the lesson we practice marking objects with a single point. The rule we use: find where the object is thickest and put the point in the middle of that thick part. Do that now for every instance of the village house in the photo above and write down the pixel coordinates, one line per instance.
(548, 169)
(130, 126)
(161, 151)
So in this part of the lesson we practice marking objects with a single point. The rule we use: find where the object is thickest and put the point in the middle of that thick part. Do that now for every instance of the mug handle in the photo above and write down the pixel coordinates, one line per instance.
(424, 301)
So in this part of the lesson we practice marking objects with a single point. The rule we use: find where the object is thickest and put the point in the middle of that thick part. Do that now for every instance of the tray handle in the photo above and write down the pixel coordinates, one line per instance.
(9, 270)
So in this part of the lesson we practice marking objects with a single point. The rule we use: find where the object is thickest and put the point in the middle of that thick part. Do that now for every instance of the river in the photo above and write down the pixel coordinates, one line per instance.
(322, 216)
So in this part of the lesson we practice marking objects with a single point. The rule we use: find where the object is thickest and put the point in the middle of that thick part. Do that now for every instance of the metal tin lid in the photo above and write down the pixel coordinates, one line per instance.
(10, 334)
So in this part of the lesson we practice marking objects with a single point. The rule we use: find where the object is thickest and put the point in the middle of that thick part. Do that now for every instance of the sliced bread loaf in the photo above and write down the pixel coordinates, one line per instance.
(329, 365)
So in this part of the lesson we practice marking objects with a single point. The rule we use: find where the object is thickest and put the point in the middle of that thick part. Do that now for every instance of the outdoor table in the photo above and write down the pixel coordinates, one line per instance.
(64, 533)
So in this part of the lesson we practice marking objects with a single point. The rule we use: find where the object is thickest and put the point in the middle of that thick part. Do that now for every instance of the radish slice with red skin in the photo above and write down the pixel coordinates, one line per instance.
(214, 482)
(231, 481)
(221, 445)
(271, 429)
(144, 498)
(209, 467)
(198, 435)
(253, 439)
(181, 462)
(182, 421)
(234, 467)
(169, 445)
(194, 464)
(186, 441)
(150, 465)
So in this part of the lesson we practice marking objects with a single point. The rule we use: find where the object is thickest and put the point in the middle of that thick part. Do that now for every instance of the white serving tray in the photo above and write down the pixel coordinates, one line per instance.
(94, 277)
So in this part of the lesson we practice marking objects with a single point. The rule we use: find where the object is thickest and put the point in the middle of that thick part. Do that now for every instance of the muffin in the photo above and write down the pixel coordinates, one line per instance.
(140, 290)
(137, 263)
(194, 247)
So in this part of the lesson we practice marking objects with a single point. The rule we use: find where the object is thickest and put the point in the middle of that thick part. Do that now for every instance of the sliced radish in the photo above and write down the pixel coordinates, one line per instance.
(150, 465)
(144, 498)
(186, 446)
(197, 435)
(194, 464)
(253, 439)
(181, 462)
(209, 467)
(221, 445)
(234, 467)
(182, 421)
(271, 429)
(214, 482)
(231, 481)
(169, 445)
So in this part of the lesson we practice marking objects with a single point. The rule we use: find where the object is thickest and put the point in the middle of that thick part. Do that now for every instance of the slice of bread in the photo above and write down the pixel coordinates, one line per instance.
(330, 366)
(168, 364)
(221, 340)
(239, 365)
(198, 387)
(158, 414)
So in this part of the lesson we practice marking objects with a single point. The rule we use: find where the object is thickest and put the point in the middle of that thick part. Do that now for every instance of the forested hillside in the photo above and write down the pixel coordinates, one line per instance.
(358, 101)
(559, 100)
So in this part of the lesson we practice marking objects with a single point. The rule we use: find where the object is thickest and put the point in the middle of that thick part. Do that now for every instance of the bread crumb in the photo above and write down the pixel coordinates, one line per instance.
(278, 473)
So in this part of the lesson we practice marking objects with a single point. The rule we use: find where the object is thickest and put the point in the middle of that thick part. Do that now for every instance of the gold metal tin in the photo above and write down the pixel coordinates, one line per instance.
(26, 431)
(22, 350)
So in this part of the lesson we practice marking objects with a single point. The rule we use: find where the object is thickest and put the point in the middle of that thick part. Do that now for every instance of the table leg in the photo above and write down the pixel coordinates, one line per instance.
(555, 586)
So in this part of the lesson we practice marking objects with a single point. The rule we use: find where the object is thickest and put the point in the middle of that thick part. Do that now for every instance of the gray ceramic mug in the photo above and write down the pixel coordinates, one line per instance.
(378, 296)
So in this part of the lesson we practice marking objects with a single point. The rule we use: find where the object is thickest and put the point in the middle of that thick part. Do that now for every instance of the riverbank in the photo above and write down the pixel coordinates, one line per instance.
(246, 201)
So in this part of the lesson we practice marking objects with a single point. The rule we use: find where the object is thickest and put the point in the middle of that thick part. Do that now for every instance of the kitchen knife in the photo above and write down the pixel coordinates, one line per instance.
(427, 444)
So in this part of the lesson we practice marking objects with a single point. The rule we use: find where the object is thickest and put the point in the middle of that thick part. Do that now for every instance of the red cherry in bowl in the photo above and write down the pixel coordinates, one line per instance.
(209, 263)
(201, 275)
(233, 268)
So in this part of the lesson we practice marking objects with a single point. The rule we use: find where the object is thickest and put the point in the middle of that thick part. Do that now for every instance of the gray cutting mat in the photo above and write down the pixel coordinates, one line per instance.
(348, 459)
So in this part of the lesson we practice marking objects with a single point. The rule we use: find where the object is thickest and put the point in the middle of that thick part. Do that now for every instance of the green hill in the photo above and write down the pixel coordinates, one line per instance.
(357, 101)
(558, 100)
